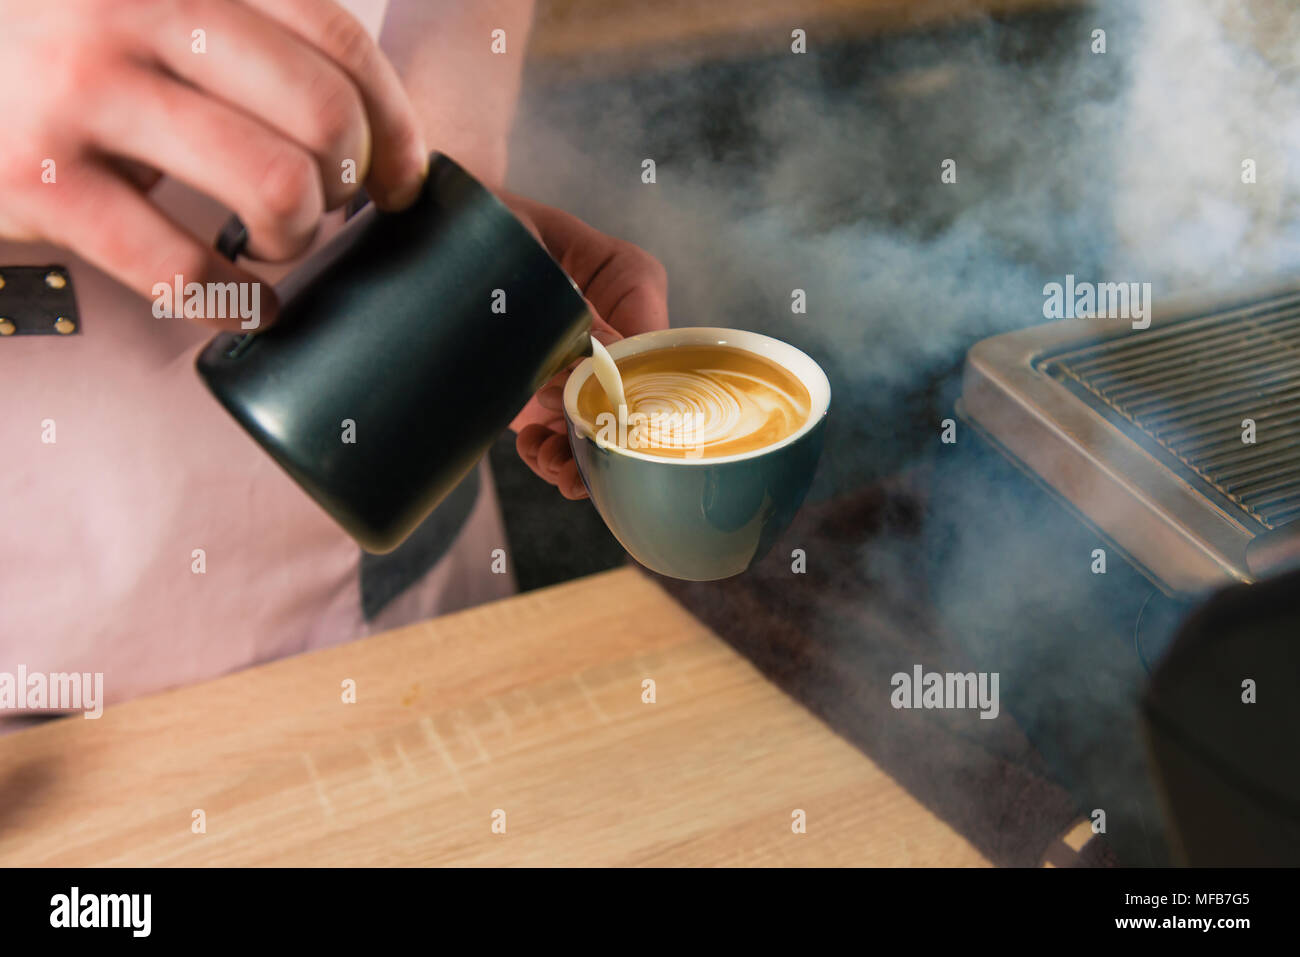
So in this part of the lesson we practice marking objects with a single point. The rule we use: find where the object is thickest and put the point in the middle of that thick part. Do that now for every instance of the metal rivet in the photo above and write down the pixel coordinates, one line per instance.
(7, 328)
(64, 325)
(55, 280)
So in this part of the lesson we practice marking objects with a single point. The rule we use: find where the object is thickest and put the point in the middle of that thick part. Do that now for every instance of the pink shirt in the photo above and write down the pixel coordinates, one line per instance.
(99, 528)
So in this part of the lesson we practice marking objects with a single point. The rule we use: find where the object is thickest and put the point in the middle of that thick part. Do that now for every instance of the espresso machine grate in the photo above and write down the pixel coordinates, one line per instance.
(1190, 387)
(1143, 432)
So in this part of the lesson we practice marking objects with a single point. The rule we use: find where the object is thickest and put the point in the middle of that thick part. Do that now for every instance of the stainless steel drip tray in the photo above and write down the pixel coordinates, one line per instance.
(1141, 430)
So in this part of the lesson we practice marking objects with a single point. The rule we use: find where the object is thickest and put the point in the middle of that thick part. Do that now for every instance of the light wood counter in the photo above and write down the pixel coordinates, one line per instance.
(531, 705)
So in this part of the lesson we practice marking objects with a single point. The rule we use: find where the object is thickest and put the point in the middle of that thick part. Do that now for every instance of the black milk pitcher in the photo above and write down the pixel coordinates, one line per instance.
(403, 349)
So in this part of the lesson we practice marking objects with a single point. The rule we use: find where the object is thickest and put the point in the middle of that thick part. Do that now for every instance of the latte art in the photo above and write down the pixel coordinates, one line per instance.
(699, 401)
(703, 408)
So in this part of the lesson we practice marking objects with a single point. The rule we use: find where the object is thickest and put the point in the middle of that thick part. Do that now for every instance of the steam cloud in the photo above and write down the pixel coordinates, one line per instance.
(821, 172)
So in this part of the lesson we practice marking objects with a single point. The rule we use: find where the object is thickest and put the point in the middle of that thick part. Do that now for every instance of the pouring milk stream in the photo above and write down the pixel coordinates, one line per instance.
(611, 380)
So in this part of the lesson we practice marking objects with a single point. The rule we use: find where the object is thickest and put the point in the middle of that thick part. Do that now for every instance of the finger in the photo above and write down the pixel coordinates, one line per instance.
(271, 182)
(629, 290)
(110, 224)
(607, 270)
(528, 443)
(257, 66)
(602, 330)
(553, 453)
(567, 478)
(399, 157)
(637, 307)
(569, 481)
(530, 414)
(529, 440)
(558, 380)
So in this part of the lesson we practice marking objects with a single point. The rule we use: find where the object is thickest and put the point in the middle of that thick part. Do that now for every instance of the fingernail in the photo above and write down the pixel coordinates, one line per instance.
(403, 196)
(551, 398)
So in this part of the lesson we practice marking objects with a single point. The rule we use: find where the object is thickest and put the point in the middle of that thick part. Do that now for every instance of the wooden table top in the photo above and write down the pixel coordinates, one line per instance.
(531, 706)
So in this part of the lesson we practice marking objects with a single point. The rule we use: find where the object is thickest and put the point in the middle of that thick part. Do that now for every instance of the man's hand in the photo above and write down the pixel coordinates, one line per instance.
(116, 93)
(627, 289)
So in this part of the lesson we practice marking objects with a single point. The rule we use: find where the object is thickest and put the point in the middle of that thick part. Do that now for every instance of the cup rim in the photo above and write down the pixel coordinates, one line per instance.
(795, 360)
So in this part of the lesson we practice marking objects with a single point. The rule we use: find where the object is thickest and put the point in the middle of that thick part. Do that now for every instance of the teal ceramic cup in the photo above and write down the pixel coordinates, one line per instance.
(701, 519)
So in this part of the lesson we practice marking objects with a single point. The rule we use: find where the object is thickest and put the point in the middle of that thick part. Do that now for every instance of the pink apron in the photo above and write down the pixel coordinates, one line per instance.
(152, 540)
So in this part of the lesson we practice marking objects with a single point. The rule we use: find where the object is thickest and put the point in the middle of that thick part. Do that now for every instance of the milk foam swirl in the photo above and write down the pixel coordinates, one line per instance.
(702, 409)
